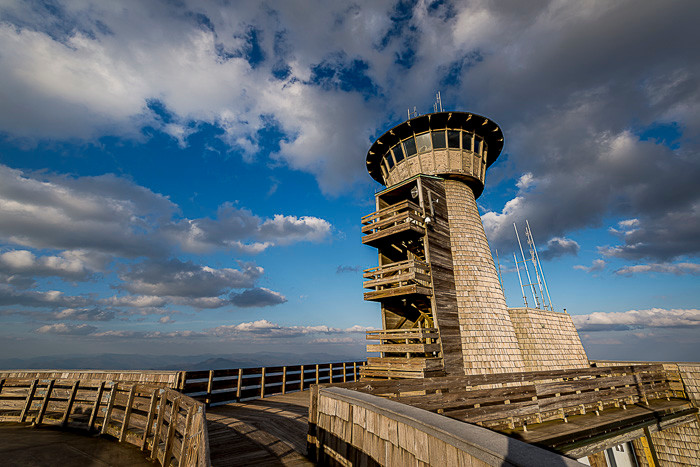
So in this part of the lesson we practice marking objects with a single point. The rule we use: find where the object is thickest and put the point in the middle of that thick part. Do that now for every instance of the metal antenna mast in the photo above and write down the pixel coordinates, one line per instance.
(522, 289)
(527, 270)
(437, 106)
(538, 265)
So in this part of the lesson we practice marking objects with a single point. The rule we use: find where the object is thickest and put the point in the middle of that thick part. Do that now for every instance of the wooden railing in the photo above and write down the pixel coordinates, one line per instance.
(170, 426)
(215, 387)
(351, 428)
(403, 277)
(516, 399)
(408, 341)
(399, 217)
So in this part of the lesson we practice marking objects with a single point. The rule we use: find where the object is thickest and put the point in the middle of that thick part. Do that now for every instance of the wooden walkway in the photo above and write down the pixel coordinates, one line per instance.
(269, 431)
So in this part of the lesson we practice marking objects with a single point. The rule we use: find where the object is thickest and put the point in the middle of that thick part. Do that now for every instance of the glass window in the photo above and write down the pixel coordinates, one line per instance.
(477, 144)
(389, 160)
(439, 139)
(398, 153)
(467, 141)
(409, 147)
(453, 139)
(423, 143)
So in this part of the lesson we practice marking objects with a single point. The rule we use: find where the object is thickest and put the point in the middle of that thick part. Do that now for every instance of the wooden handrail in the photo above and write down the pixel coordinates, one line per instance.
(216, 387)
(176, 434)
(393, 267)
(406, 204)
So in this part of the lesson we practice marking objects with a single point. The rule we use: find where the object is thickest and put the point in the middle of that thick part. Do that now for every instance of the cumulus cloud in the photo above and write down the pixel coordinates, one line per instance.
(72, 265)
(258, 297)
(678, 269)
(559, 246)
(596, 266)
(266, 329)
(84, 314)
(637, 319)
(186, 279)
(31, 298)
(67, 329)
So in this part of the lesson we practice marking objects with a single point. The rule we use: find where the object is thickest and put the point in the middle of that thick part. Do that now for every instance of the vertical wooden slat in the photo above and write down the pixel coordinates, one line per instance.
(149, 419)
(317, 373)
(127, 413)
(28, 403)
(2, 384)
(344, 373)
(108, 409)
(96, 406)
(652, 449)
(159, 424)
(45, 403)
(330, 372)
(238, 385)
(186, 438)
(171, 431)
(284, 380)
(354, 371)
(210, 386)
(301, 379)
(69, 404)
(262, 384)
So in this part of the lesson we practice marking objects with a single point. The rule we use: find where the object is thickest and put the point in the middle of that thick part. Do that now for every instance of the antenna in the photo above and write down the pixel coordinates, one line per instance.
(517, 268)
(412, 114)
(437, 106)
(538, 265)
(527, 270)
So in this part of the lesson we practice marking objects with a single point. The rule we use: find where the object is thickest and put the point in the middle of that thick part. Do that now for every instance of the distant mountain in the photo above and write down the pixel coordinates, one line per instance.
(169, 362)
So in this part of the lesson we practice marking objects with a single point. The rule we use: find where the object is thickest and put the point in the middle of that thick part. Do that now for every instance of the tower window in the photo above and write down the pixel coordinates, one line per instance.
(398, 153)
(389, 160)
(423, 143)
(439, 139)
(453, 139)
(477, 144)
(467, 141)
(409, 147)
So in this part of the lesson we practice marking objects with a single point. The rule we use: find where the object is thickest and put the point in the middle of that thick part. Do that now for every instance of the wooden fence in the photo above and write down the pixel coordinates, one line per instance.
(215, 387)
(516, 399)
(168, 425)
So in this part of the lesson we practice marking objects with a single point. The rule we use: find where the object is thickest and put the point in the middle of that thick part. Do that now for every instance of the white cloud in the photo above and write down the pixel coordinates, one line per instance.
(637, 319)
(662, 268)
(597, 265)
(67, 329)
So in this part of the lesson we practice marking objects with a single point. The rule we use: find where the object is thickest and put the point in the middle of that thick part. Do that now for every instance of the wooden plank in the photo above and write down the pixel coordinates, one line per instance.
(171, 431)
(149, 420)
(96, 406)
(69, 404)
(186, 437)
(44, 403)
(110, 406)
(28, 403)
(127, 413)
(159, 424)
(238, 384)
(402, 348)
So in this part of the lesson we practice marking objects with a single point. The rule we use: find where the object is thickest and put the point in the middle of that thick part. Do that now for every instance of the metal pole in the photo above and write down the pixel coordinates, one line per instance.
(533, 252)
(527, 271)
(522, 289)
(551, 306)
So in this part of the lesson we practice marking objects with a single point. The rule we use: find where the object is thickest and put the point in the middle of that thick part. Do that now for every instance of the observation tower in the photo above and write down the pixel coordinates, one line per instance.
(443, 309)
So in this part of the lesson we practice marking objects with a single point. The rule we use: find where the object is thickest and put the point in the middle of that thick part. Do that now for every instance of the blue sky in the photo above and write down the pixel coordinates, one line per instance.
(188, 177)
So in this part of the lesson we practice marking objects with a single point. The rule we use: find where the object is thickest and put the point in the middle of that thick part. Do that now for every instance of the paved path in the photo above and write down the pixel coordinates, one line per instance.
(269, 431)
(23, 445)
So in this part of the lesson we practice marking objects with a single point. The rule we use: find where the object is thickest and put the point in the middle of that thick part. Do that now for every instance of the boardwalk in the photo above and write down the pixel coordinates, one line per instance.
(269, 431)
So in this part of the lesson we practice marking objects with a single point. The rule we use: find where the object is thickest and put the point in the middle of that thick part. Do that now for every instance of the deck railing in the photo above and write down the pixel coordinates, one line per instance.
(216, 387)
(403, 277)
(168, 425)
(399, 217)
(408, 341)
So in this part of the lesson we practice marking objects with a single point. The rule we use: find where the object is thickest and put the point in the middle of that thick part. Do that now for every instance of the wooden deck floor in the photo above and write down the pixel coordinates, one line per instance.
(269, 431)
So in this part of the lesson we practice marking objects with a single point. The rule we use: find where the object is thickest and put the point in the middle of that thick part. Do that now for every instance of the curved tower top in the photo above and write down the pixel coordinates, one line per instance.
(454, 145)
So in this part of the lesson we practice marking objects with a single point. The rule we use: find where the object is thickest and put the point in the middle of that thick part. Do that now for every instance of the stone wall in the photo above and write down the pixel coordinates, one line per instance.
(489, 342)
(548, 340)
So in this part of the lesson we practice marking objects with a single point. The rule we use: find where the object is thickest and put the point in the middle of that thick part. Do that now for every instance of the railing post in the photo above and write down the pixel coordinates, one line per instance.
(44, 403)
(262, 384)
(238, 384)
(317, 373)
(69, 404)
(210, 386)
(284, 380)
(301, 379)
(108, 409)
(344, 373)
(354, 371)
(28, 403)
(96, 406)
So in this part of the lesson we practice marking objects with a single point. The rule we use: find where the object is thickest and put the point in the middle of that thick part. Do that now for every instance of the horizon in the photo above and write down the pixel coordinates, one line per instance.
(189, 179)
